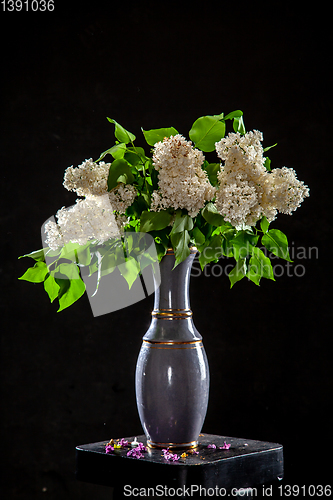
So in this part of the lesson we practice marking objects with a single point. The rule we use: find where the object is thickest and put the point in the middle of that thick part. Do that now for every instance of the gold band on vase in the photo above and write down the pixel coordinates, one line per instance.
(191, 344)
(172, 313)
(171, 342)
(188, 446)
(170, 251)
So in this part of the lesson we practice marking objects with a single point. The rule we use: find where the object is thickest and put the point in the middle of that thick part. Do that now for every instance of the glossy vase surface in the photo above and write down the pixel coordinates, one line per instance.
(172, 374)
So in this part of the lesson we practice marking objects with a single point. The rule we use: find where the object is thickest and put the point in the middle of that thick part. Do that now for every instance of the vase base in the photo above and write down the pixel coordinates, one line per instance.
(173, 446)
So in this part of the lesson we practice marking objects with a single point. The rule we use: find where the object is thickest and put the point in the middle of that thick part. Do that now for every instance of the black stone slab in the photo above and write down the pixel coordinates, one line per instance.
(246, 463)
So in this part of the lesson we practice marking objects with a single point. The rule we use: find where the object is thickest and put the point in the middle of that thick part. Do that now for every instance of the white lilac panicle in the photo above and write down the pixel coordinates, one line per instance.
(247, 191)
(87, 178)
(182, 182)
(90, 218)
(91, 178)
(284, 191)
(122, 196)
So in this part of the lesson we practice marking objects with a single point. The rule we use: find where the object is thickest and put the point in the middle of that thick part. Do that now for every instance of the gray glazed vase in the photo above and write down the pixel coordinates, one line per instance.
(172, 374)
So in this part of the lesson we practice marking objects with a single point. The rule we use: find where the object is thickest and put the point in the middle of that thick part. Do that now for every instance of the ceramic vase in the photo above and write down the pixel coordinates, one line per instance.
(172, 373)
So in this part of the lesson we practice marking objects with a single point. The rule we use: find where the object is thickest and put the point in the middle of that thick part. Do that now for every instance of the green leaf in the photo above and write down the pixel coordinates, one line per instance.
(238, 113)
(206, 131)
(227, 247)
(120, 171)
(66, 269)
(238, 272)
(146, 198)
(267, 164)
(161, 250)
(198, 236)
(71, 286)
(109, 261)
(117, 151)
(180, 237)
(181, 223)
(276, 242)
(162, 237)
(64, 284)
(211, 251)
(135, 156)
(35, 274)
(83, 255)
(180, 244)
(243, 244)
(212, 170)
(36, 255)
(69, 251)
(51, 287)
(75, 290)
(156, 135)
(52, 253)
(105, 261)
(238, 125)
(269, 147)
(122, 134)
(145, 259)
(211, 215)
(153, 221)
(259, 267)
(129, 270)
(264, 224)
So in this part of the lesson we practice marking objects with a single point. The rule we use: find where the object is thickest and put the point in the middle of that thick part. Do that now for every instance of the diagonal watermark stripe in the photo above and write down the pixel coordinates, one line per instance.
(117, 273)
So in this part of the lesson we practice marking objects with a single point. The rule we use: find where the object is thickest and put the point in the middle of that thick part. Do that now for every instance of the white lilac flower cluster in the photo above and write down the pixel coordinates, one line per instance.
(247, 191)
(92, 178)
(90, 218)
(99, 215)
(122, 197)
(87, 178)
(182, 182)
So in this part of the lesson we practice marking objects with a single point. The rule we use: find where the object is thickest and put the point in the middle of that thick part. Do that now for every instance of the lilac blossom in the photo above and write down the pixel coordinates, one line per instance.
(170, 456)
(137, 451)
(225, 446)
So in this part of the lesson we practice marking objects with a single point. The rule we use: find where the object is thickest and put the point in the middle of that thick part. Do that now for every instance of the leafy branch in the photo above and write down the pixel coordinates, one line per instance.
(214, 237)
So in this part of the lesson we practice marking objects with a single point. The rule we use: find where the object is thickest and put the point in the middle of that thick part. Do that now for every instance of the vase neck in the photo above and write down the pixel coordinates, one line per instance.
(173, 292)
(172, 316)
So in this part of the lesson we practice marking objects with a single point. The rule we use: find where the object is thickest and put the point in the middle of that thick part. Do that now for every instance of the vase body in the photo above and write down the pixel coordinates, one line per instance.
(172, 374)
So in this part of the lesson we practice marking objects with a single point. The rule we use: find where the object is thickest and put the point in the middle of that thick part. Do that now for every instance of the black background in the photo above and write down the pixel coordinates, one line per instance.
(68, 378)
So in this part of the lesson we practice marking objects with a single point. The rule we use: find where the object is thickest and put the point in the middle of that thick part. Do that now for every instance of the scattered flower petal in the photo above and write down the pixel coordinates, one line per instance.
(211, 446)
(225, 446)
(141, 447)
(135, 452)
(170, 456)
